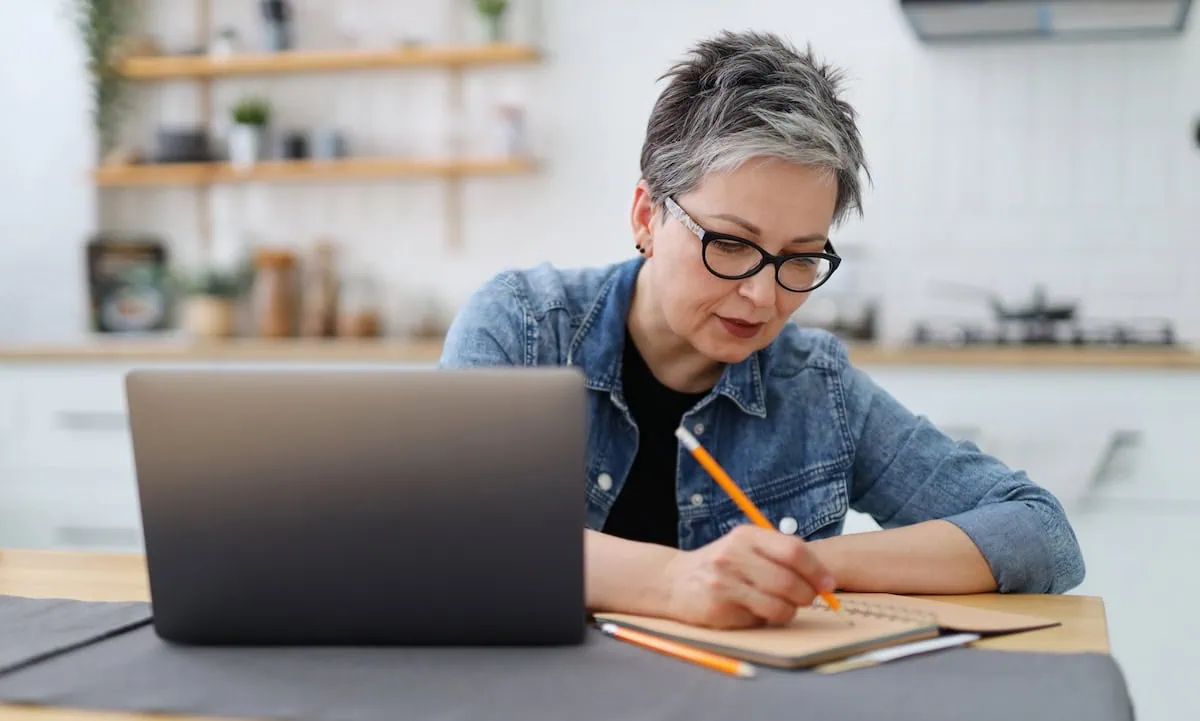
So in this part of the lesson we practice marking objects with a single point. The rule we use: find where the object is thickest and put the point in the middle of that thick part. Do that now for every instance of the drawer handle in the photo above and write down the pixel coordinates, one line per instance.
(93, 421)
(1116, 459)
(101, 537)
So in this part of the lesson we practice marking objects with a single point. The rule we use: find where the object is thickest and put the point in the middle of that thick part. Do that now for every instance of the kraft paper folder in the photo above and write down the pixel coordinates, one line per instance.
(818, 635)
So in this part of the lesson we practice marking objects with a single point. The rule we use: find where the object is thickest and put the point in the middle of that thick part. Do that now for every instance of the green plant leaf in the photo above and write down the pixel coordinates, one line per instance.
(491, 7)
(102, 25)
(218, 282)
(252, 111)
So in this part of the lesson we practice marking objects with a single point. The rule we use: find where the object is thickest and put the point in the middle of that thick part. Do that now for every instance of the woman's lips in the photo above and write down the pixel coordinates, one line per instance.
(740, 328)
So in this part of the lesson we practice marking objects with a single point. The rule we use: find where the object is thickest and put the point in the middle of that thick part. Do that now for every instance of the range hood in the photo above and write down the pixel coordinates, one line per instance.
(959, 20)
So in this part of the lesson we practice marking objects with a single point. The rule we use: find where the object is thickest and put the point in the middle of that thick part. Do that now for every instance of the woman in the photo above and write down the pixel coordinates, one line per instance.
(750, 157)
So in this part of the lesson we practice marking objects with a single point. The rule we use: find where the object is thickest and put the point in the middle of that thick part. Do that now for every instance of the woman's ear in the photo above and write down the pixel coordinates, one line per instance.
(642, 218)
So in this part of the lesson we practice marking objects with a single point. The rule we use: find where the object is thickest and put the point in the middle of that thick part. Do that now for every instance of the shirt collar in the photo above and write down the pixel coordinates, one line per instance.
(597, 346)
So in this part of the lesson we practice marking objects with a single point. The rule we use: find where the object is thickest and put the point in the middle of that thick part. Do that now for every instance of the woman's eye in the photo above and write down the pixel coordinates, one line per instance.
(729, 247)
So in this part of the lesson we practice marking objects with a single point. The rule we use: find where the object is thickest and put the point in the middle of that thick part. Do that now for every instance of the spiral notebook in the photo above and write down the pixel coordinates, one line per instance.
(817, 634)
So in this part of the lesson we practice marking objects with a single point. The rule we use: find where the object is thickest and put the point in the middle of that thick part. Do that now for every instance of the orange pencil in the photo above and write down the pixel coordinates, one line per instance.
(714, 661)
(725, 482)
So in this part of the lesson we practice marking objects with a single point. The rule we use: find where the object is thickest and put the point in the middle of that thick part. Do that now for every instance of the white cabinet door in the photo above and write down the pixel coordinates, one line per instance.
(10, 417)
(1029, 415)
(55, 509)
(1144, 566)
(71, 417)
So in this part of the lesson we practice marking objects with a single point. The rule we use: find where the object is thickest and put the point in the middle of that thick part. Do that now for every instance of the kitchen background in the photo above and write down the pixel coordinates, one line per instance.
(1002, 166)
(1032, 191)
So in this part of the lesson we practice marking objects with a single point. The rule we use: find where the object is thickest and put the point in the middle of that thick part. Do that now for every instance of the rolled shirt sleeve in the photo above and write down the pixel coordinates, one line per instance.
(907, 471)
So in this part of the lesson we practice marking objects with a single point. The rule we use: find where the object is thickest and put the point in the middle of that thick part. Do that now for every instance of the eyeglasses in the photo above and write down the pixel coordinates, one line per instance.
(733, 258)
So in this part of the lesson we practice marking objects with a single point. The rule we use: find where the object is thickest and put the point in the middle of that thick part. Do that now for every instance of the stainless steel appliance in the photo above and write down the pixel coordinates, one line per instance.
(1040, 321)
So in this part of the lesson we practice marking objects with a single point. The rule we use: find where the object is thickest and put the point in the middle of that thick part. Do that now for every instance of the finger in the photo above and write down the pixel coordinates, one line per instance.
(770, 576)
(792, 552)
(768, 607)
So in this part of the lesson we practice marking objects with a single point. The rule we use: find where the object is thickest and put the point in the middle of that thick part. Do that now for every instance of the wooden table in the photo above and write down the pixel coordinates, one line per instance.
(122, 577)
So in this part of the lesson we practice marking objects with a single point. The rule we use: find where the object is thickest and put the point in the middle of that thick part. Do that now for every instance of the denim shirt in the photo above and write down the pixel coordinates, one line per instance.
(806, 435)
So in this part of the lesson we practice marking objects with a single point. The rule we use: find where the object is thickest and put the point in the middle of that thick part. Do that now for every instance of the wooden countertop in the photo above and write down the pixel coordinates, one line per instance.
(1176, 358)
(122, 577)
(401, 350)
(239, 349)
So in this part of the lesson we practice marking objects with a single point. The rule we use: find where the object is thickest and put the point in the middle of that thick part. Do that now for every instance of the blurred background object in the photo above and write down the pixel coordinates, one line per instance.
(1012, 146)
(127, 282)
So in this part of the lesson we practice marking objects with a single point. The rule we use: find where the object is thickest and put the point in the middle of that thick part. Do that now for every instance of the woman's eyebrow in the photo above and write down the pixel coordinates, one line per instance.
(752, 228)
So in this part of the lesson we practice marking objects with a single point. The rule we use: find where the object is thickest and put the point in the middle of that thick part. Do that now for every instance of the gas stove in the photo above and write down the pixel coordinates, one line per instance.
(1125, 333)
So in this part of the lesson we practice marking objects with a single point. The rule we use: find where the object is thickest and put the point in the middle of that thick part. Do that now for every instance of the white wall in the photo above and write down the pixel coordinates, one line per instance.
(1003, 166)
(47, 207)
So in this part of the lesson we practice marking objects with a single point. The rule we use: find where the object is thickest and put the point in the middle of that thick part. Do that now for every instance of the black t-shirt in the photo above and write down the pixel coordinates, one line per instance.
(645, 509)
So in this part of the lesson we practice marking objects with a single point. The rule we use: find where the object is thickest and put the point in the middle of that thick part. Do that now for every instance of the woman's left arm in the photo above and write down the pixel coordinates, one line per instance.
(956, 520)
(928, 557)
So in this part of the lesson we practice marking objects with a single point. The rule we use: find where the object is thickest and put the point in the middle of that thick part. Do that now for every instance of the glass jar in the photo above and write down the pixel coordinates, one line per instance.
(274, 293)
(359, 307)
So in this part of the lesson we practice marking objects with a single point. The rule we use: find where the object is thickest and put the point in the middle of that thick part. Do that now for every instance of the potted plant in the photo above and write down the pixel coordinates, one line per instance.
(103, 27)
(247, 138)
(492, 12)
(210, 301)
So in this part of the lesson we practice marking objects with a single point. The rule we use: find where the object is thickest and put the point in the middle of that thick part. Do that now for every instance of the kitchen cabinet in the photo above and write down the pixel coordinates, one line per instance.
(1142, 562)
(95, 510)
(67, 476)
(1118, 435)
(1129, 429)
(68, 418)
(66, 467)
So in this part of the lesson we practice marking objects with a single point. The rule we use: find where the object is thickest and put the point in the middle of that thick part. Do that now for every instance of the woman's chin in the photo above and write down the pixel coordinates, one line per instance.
(727, 350)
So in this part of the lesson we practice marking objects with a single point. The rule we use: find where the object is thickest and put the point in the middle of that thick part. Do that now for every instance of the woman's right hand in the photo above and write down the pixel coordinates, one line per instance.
(748, 577)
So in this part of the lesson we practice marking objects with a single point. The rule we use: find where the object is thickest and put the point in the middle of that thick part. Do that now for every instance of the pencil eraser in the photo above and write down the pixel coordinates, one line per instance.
(689, 441)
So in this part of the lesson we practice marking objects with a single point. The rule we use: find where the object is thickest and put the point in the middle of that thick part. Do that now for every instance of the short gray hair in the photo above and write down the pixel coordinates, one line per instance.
(740, 95)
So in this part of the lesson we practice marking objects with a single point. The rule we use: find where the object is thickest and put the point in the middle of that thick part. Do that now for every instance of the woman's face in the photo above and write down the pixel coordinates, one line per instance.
(782, 207)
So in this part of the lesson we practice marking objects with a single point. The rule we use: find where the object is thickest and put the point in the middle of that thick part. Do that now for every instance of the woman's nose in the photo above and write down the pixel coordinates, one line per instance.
(759, 288)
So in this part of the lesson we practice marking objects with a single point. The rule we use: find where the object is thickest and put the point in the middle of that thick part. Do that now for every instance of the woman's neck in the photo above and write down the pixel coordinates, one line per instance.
(672, 360)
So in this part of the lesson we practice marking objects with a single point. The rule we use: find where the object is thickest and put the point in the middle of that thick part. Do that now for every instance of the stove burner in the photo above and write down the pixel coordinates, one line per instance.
(1132, 333)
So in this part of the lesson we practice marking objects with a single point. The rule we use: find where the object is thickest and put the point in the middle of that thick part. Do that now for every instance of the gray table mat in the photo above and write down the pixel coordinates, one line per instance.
(605, 679)
(32, 629)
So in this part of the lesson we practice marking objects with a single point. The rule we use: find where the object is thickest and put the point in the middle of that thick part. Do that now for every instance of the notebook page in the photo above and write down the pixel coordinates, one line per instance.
(955, 616)
(814, 634)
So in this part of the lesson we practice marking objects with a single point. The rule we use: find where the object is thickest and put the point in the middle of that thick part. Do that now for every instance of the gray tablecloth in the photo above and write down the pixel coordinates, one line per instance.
(32, 629)
(605, 679)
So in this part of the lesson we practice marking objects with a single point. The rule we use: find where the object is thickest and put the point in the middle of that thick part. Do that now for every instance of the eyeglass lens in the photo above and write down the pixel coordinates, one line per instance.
(735, 260)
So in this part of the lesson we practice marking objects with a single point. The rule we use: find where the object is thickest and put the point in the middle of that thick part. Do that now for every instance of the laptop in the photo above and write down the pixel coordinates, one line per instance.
(362, 507)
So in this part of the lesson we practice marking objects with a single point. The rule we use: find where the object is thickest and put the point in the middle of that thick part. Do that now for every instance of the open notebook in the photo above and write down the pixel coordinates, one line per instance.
(817, 634)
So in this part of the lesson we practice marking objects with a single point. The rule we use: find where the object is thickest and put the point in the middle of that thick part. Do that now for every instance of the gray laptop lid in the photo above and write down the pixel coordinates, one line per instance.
(363, 506)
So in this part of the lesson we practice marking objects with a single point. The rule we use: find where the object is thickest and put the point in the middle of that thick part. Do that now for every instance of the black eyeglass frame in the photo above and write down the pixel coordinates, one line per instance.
(765, 258)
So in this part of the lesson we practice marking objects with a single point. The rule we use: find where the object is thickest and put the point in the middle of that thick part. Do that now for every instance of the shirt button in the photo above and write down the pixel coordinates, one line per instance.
(604, 481)
(697, 499)
(698, 428)
(788, 525)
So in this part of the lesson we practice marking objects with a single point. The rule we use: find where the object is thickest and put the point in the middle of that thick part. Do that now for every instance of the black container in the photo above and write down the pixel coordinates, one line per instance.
(182, 145)
(276, 11)
(277, 25)
(295, 146)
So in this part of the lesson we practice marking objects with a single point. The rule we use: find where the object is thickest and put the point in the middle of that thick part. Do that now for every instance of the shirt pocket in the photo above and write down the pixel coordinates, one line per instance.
(810, 503)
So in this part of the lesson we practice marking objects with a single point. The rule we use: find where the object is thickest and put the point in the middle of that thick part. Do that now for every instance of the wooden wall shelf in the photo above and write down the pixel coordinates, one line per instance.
(204, 71)
(169, 67)
(298, 170)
